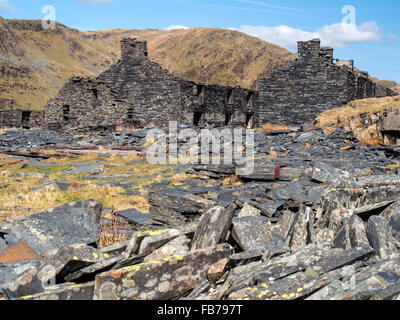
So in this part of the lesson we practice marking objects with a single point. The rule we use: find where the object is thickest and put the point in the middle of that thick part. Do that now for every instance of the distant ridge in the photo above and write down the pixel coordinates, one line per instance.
(34, 63)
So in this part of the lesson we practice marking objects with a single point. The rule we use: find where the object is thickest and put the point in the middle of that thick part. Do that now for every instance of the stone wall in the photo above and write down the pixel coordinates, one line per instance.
(138, 92)
(21, 119)
(313, 84)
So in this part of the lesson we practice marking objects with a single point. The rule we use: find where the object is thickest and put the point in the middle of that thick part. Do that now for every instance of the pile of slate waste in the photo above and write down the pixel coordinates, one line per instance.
(318, 219)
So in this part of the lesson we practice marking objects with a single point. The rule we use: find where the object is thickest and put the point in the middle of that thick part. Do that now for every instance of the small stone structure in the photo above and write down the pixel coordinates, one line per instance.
(136, 92)
(313, 84)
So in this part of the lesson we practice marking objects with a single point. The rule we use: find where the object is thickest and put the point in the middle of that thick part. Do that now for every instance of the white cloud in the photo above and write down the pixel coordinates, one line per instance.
(5, 5)
(283, 35)
(338, 35)
(176, 27)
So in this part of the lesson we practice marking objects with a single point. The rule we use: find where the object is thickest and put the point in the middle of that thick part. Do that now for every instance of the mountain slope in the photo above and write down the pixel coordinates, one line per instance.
(35, 63)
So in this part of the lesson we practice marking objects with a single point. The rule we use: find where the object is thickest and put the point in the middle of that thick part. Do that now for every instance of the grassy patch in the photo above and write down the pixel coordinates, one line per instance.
(17, 200)
(342, 117)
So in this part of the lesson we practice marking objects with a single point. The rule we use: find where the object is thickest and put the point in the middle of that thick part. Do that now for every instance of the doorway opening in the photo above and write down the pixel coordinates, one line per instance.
(26, 118)
(197, 118)
(66, 111)
(249, 121)
(228, 118)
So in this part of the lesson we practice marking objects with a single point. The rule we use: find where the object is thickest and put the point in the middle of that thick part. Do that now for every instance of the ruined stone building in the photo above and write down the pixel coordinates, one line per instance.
(16, 118)
(313, 84)
(136, 92)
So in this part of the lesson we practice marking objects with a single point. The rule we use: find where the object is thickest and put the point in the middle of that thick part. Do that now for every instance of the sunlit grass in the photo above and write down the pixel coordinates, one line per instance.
(17, 198)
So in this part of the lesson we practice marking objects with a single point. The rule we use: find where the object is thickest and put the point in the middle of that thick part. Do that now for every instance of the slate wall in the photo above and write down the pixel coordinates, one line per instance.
(138, 92)
(313, 84)
(20, 118)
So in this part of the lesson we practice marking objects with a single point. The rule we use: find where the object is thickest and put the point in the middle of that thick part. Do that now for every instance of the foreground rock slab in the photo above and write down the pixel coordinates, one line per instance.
(65, 291)
(159, 280)
(72, 223)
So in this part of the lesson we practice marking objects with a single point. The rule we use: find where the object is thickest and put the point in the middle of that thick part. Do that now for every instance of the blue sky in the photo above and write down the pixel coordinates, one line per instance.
(370, 33)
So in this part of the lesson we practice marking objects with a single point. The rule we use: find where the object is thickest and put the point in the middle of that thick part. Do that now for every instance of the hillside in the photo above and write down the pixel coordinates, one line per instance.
(34, 63)
(387, 83)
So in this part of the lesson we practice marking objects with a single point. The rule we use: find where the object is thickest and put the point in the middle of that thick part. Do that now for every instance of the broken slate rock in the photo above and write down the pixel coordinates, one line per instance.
(134, 216)
(159, 280)
(25, 283)
(77, 222)
(87, 169)
(213, 226)
(150, 243)
(179, 246)
(253, 233)
(3, 246)
(217, 270)
(65, 291)
(249, 211)
(63, 261)
(59, 186)
(380, 237)
(353, 234)
(323, 173)
(394, 225)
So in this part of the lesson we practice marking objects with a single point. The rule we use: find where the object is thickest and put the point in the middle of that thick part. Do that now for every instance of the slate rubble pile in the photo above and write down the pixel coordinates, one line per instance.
(318, 219)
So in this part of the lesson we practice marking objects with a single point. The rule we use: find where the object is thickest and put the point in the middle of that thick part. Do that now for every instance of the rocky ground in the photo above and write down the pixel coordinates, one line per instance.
(319, 218)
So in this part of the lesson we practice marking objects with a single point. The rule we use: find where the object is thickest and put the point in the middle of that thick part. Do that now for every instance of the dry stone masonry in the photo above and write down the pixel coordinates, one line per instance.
(313, 84)
(137, 92)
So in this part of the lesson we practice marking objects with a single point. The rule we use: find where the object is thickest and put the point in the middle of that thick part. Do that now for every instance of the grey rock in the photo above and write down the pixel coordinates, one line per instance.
(249, 211)
(65, 291)
(380, 237)
(304, 137)
(77, 222)
(213, 226)
(253, 233)
(134, 216)
(179, 246)
(394, 225)
(87, 169)
(3, 246)
(326, 174)
(353, 234)
(59, 186)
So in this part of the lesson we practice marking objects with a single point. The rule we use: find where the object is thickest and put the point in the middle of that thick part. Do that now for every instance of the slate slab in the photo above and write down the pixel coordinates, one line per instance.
(252, 233)
(87, 169)
(394, 225)
(134, 216)
(353, 234)
(159, 280)
(380, 237)
(249, 211)
(77, 222)
(324, 173)
(213, 226)
(179, 246)
(59, 186)
(3, 246)
(65, 291)
(60, 263)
